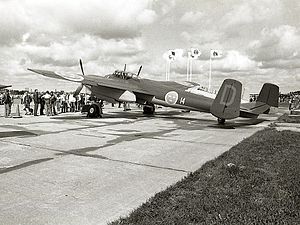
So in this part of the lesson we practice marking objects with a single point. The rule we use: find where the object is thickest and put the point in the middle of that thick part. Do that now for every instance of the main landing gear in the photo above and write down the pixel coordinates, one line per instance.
(221, 121)
(149, 109)
(93, 111)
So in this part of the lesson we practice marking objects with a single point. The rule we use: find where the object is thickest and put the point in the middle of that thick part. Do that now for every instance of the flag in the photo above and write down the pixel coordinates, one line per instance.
(195, 53)
(172, 55)
(216, 54)
(169, 55)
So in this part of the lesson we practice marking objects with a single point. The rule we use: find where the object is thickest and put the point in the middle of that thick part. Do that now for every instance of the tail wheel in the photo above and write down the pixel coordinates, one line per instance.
(221, 121)
(149, 109)
(93, 111)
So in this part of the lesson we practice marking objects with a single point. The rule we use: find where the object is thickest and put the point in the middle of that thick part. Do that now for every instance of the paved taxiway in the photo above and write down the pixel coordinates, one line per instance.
(73, 170)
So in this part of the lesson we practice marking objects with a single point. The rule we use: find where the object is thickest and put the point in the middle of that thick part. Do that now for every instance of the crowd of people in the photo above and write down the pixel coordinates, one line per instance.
(45, 103)
(51, 103)
(293, 99)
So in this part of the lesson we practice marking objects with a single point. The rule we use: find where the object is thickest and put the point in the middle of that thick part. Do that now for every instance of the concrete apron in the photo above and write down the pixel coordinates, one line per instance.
(73, 170)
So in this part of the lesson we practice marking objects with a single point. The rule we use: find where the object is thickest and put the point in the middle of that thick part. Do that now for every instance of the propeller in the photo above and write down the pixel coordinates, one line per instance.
(79, 88)
(139, 71)
(124, 67)
(81, 66)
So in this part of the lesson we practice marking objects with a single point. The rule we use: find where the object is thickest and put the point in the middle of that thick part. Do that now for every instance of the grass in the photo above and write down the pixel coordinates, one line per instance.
(255, 182)
(285, 118)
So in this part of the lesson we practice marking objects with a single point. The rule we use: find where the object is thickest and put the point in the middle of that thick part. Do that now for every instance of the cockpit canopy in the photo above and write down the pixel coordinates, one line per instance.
(124, 75)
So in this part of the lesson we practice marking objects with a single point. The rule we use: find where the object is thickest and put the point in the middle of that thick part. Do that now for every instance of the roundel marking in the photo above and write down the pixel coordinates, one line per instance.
(70, 76)
(171, 97)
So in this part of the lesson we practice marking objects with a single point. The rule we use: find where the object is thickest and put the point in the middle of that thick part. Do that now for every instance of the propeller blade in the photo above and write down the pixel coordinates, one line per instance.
(124, 67)
(78, 90)
(81, 66)
(140, 69)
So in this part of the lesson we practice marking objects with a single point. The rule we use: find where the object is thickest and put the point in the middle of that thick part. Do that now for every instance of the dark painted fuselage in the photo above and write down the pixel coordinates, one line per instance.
(166, 93)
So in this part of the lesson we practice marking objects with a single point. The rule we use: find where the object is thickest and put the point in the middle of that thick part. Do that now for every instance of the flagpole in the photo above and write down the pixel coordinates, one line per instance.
(187, 67)
(209, 78)
(167, 69)
(191, 69)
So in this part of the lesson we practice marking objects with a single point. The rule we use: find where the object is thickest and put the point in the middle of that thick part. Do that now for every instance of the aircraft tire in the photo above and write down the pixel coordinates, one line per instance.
(149, 109)
(221, 121)
(93, 111)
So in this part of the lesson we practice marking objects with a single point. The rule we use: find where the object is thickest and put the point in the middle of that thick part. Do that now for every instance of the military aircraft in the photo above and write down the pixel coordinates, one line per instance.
(4, 86)
(123, 86)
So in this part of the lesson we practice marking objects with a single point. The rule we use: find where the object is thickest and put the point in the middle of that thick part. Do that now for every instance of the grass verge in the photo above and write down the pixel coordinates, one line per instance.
(285, 118)
(255, 182)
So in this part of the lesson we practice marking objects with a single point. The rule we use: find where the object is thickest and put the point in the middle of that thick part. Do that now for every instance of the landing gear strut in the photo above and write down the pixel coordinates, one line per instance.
(149, 109)
(221, 121)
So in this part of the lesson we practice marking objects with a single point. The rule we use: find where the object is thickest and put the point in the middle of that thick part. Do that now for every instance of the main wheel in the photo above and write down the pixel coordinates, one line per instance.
(149, 109)
(93, 111)
(221, 121)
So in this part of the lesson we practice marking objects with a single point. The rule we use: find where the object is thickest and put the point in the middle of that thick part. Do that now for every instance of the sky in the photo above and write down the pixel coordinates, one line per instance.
(260, 40)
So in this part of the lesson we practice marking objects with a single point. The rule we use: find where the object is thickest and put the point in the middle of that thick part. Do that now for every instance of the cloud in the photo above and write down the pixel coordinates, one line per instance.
(106, 19)
(164, 7)
(13, 23)
(235, 61)
(189, 18)
(287, 64)
(249, 12)
(90, 48)
(262, 38)
(146, 17)
(277, 47)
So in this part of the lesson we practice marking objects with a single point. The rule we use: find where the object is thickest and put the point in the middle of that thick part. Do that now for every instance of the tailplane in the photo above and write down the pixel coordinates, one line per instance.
(227, 102)
(268, 96)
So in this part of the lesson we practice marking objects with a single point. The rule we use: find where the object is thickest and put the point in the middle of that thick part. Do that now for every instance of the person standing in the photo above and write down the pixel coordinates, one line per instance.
(42, 104)
(26, 101)
(36, 102)
(63, 103)
(7, 100)
(47, 97)
(72, 101)
(53, 99)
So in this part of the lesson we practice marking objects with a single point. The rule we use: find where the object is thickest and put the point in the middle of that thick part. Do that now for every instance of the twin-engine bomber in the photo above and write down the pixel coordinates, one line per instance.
(123, 86)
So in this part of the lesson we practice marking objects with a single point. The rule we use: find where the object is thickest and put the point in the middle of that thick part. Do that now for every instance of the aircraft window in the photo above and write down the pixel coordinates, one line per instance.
(124, 75)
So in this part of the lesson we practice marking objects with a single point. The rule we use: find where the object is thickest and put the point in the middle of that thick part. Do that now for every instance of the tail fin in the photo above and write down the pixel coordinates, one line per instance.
(227, 102)
(269, 94)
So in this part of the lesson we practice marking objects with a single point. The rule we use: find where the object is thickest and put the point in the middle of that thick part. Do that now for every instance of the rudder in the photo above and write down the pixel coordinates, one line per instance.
(228, 100)
(269, 94)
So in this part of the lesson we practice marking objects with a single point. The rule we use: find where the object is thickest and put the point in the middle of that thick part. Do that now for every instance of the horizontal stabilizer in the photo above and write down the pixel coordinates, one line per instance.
(227, 102)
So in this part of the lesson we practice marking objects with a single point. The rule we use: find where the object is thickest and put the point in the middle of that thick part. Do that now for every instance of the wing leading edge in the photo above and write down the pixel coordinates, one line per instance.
(58, 75)
(4, 86)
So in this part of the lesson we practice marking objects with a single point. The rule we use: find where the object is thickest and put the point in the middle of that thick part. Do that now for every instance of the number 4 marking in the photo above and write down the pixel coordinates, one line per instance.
(182, 101)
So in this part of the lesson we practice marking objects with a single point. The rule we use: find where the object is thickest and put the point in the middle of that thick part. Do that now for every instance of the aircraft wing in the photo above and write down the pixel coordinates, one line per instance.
(4, 86)
(96, 81)
(58, 75)
(126, 85)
